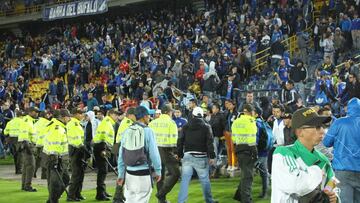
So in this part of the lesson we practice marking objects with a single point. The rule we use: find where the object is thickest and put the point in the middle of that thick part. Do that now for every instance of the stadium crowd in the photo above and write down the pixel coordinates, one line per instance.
(191, 60)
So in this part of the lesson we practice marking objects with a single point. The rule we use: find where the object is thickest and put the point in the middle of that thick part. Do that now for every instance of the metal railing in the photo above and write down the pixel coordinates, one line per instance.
(343, 63)
(290, 43)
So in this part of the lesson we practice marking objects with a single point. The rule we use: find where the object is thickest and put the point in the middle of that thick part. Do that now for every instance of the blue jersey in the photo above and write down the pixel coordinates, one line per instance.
(283, 74)
(180, 122)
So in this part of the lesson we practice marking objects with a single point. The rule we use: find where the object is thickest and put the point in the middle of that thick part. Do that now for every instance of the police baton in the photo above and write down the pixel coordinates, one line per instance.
(61, 180)
(108, 162)
(86, 165)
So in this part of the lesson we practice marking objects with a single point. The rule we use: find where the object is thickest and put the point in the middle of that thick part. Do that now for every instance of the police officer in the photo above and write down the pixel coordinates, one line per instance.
(39, 127)
(125, 123)
(12, 130)
(56, 148)
(166, 134)
(103, 142)
(244, 137)
(41, 130)
(75, 135)
(27, 139)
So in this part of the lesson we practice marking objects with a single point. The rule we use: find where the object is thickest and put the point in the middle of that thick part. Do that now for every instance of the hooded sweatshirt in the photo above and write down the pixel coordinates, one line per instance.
(196, 136)
(343, 135)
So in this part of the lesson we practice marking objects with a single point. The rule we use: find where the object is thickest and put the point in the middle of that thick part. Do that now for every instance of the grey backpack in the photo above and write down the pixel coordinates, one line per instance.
(133, 143)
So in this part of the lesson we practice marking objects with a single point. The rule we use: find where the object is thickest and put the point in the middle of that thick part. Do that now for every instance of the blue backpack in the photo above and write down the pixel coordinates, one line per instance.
(266, 137)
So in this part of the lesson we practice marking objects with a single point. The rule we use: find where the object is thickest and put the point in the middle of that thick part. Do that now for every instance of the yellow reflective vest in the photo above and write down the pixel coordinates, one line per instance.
(55, 141)
(244, 130)
(40, 131)
(13, 127)
(125, 123)
(27, 132)
(75, 133)
(166, 131)
(105, 131)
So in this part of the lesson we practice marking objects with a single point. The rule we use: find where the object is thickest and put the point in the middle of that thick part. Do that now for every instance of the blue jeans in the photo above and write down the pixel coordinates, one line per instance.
(262, 167)
(2, 150)
(201, 165)
(349, 186)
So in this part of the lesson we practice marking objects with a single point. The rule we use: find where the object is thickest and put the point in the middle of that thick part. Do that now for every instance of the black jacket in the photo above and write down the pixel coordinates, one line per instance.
(289, 136)
(217, 123)
(196, 136)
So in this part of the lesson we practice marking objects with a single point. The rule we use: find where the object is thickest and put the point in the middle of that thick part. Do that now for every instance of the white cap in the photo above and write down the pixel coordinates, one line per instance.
(198, 111)
(158, 111)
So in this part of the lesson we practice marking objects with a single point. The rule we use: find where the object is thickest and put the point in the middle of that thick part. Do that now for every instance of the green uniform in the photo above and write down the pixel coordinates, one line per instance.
(40, 160)
(244, 137)
(166, 134)
(103, 141)
(75, 133)
(12, 131)
(56, 147)
(27, 139)
(125, 123)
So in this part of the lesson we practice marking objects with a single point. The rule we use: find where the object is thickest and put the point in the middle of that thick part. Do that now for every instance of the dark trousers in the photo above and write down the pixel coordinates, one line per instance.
(246, 162)
(102, 167)
(37, 155)
(43, 164)
(28, 166)
(169, 163)
(77, 172)
(57, 178)
(15, 148)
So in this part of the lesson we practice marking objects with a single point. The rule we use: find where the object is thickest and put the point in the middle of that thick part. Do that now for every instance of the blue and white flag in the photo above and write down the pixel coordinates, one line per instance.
(75, 9)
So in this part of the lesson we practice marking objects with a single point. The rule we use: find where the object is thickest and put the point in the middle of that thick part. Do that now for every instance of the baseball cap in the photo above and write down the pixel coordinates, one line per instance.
(151, 111)
(198, 112)
(130, 111)
(33, 108)
(308, 116)
(141, 111)
(287, 116)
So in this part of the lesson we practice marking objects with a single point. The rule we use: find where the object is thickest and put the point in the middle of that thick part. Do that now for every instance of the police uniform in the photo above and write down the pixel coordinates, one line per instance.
(166, 134)
(27, 140)
(12, 130)
(125, 123)
(103, 141)
(244, 137)
(40, 131)
(75, 135)
(56, 147)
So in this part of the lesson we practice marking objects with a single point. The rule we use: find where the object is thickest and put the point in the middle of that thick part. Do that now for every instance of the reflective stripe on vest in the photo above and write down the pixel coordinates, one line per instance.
(165, 130)
(244, 131)
(75, 133)
(105, 131)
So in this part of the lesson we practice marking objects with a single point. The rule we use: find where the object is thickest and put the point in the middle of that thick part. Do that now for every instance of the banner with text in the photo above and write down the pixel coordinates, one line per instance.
(74, 9)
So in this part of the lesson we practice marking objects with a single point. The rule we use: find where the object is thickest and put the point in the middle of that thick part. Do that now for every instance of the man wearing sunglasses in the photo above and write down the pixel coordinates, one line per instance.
(299, 171)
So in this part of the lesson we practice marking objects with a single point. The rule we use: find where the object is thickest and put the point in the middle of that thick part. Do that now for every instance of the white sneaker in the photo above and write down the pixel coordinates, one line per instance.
(236, 168)
(229, 168)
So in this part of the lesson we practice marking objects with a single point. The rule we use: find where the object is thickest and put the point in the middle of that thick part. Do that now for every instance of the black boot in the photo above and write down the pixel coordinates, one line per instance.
(237, 195)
